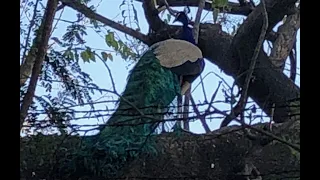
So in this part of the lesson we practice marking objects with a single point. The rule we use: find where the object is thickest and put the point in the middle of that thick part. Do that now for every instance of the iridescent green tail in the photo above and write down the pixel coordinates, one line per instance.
(150, 89)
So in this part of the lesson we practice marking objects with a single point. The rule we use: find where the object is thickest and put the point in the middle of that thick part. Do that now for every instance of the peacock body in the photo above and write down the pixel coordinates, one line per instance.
(152, 85)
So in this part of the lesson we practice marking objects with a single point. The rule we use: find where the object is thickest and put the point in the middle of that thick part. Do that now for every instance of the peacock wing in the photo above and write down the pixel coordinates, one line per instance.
(173, 52)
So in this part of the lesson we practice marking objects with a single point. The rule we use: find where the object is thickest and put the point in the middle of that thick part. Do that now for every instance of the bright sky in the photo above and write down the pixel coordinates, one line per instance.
(120, 68)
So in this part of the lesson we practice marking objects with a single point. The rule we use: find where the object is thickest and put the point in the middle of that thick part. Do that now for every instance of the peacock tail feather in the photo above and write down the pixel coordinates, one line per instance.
(152, 85)
(150, 89)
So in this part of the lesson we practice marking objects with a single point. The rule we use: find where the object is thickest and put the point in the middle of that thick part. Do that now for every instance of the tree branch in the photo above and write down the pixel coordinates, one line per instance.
(244, 92)
(28, 60)
(235, 8)
(92, 15)
(196, 25)
(241, 52)
(41, 51)
(201, 117)
(152, 17)
(293, 63)
(285, 40)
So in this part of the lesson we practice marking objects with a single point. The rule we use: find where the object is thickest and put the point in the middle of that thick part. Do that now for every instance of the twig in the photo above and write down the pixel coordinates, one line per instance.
(211, 72)
(109, 71)
(213, 97)
(244, 93)
(293, 63)
(59, 18)
(201, 117)
(179, 110)
(171, 11)
(60, 7)
(92, 15)
(203, 89)
(197, 20)
(223, 80)
(234, 7)
(32, 22)
(42, 46)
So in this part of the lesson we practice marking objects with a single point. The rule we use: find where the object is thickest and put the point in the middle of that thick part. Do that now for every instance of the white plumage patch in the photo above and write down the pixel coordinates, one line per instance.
(174, 52)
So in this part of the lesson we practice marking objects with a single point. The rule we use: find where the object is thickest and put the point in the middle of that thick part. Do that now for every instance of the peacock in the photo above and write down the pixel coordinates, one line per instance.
(164, 71)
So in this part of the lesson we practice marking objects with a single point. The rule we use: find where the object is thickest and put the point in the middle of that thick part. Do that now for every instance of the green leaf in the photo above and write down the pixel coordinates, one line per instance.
(121, 44)
(115, 45)
(88, 55)
(110, 57)
(215, 14)
(68, 54)
(85, 56)
(219, 3)
(104, 56)
(92, 56)
(109, 37)
(110, 40)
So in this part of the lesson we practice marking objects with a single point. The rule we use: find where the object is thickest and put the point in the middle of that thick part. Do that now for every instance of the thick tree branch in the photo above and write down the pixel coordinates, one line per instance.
(242, 53)
(92, 15)
(41, 52)
(285, 41)
(244, 92)
(216, 155)
(235, 8)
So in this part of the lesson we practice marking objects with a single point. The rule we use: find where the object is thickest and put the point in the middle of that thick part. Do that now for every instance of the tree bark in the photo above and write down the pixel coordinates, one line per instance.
(285, 41)
(38, 59)
(224, 154)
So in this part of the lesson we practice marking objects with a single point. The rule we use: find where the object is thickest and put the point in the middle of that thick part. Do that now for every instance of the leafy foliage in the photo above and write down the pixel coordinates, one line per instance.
(216, 6)
(119, 46)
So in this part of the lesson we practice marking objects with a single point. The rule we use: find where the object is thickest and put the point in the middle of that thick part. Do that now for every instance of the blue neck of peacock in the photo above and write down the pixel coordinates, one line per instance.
(187, 34)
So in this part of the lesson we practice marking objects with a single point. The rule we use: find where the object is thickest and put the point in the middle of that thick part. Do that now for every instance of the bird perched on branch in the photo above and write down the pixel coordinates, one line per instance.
(151, 86)
(190, 70)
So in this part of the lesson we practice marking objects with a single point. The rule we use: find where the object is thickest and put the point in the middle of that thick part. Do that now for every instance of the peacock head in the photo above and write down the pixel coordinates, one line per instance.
(182, 17)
